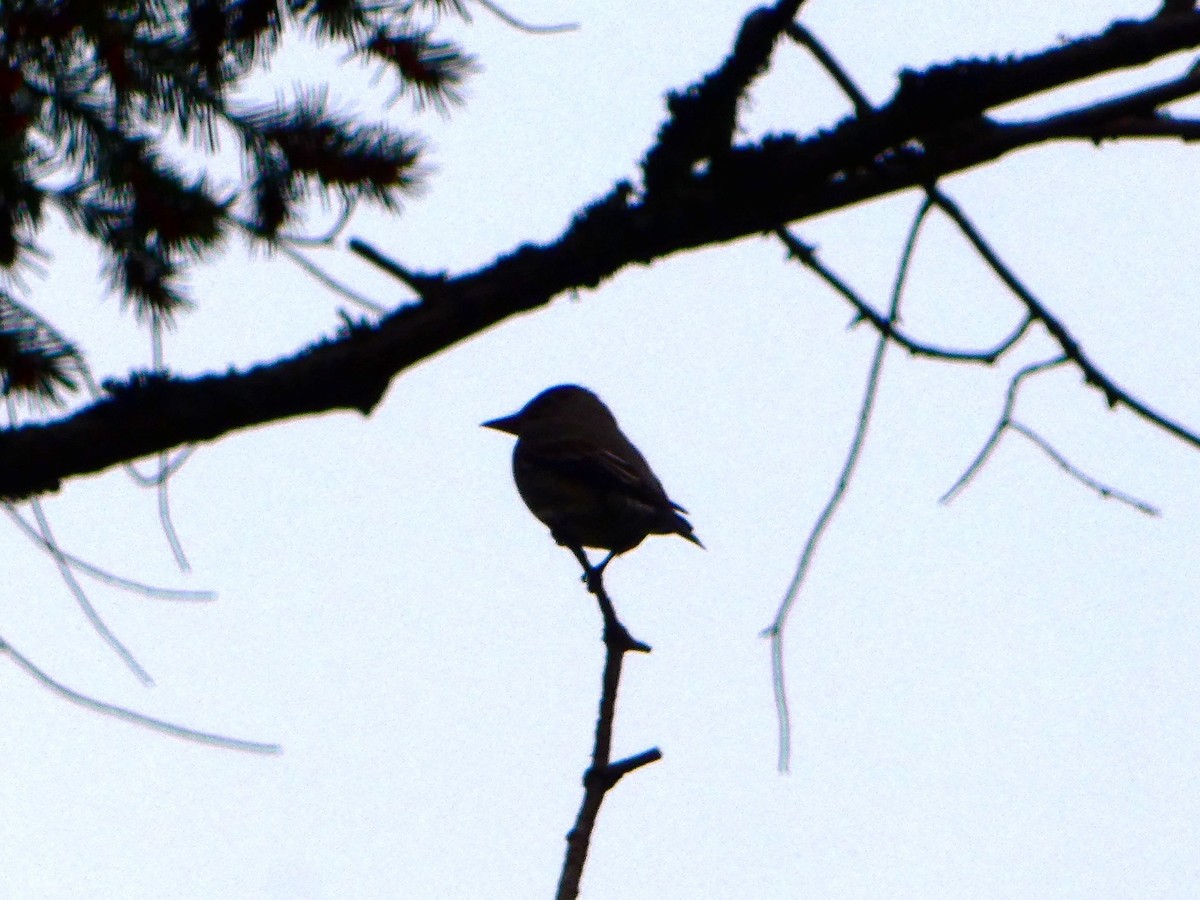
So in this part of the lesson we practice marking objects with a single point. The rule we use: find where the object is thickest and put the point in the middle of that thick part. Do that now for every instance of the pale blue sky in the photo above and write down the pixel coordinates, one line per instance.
(995, 699)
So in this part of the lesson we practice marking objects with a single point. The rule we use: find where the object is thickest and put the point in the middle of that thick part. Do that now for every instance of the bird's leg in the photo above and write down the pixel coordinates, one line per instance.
(600, 568)
(588, 571)
(615, 632)
(591, 574)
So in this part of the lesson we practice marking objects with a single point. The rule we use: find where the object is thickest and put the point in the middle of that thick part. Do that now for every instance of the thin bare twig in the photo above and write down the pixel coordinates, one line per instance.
(1105, 491)
(164, 461)
(807, 255)
(603, 774)
(81, 597)
(332, 283)
(1113, 394)
(283, 238)
(508, 19)
(128, 715)
(103, 575)
(1009, 404)
(775, 630)
(288, 245)
(1008, 421)
(424, 285)
(164, 518)
(805, 38)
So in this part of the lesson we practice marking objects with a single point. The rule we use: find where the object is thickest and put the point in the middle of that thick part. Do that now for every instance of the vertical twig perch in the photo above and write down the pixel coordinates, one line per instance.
(602, 775)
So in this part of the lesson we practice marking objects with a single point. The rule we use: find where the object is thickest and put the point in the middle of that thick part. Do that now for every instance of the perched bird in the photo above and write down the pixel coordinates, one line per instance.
(579, 474)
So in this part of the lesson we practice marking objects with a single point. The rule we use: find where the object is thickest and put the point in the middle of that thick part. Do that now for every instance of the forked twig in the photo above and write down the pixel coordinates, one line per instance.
(1007, 422)
(1113, 394)
(994, 438)
(1138, 103)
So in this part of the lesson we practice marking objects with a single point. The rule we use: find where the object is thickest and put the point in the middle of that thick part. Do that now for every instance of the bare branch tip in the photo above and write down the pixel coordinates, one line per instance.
(512, 21)
(426, 286)
(623, 767)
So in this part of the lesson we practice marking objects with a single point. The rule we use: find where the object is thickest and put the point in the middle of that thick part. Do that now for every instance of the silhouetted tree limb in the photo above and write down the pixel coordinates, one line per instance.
(934, 125)
(602, 774)
(887, 327)
(1114, 395)
(1083, 121)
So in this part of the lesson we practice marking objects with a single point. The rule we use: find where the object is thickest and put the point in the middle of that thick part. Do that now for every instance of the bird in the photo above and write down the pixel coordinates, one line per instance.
(584, 479)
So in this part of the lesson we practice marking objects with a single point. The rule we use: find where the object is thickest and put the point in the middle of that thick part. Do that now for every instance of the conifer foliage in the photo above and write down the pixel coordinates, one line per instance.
(95, 93)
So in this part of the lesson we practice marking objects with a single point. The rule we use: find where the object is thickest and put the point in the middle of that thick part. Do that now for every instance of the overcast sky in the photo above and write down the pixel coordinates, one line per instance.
(996, 698)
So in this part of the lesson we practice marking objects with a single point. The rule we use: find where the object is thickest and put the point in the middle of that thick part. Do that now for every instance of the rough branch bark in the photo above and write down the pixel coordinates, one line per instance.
(933, 126)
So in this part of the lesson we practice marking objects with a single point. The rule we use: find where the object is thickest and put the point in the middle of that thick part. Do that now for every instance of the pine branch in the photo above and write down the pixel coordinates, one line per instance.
(89, 93)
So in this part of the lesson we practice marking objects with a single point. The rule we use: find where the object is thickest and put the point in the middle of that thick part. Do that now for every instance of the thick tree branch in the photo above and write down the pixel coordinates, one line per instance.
(933, 126)
(703, 118)
(1158, 126)
(1089, 122)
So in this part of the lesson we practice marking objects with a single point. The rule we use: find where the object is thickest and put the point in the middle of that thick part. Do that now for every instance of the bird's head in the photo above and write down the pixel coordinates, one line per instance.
(562, 403)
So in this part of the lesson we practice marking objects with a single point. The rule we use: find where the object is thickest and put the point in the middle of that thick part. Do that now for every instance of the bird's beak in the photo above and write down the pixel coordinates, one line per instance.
(507, 424)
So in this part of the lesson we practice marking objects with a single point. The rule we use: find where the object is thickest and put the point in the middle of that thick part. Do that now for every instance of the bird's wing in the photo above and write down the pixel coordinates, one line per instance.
(624, 472)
